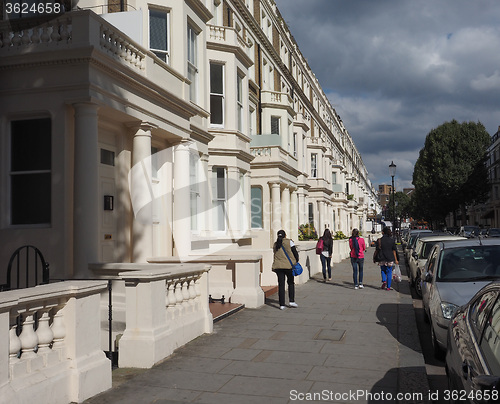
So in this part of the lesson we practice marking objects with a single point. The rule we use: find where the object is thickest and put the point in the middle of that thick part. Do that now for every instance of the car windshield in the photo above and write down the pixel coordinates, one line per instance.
(494, 232)
(469, 263)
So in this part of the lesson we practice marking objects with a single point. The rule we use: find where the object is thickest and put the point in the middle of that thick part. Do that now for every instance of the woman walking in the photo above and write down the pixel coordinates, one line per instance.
(326, 254)
(358, 248)
(389, 256)
(284, 251)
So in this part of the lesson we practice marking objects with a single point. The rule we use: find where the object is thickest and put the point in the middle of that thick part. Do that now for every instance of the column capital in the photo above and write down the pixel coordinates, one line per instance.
(141, 125)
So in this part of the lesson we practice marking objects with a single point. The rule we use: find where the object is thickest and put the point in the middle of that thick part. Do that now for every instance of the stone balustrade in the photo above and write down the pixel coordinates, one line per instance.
(51, 32)
(51, 335)
(163, 307)
(237, 277)
(73, 29)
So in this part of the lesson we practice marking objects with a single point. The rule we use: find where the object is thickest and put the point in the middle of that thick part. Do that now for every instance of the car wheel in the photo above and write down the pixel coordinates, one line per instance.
(436, 349)
(418, 285)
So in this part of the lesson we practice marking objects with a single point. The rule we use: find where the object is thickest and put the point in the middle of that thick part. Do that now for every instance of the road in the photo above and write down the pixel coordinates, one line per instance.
(435, 368)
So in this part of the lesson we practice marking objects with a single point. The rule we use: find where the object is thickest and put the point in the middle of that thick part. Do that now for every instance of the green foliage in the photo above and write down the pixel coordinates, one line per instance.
(339, 236)
(403, 207)
(307, 232)
(451, 170)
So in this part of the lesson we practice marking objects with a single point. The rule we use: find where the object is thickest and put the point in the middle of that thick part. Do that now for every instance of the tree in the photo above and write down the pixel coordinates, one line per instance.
(451, 170)
(402, 205)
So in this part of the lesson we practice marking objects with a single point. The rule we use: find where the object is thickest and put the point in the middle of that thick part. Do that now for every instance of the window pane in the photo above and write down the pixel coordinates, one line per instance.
(275, 125)
(30, 198)
(107, 157)
(220, 213)
(221, 184)
(216, 79)
(192, 46)
(31, 145)
(216, 116)
(158, 30)
(256, 207)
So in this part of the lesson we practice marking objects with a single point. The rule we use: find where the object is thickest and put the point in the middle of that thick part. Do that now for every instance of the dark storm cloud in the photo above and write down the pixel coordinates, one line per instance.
(396, 69)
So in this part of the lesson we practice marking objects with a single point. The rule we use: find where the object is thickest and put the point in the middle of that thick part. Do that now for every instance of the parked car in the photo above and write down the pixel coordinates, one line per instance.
(473, 349)
(493, 232)
(469, 231)
(412, 240)
(418, 259)
(454, 272)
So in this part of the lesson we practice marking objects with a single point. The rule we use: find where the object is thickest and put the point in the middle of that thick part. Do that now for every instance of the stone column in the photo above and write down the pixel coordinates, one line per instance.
(276, 209)
(86, 189)
(302, 208)
(233, 185)
(285, 211)
(142, 194)
(182, 210)
(294, 216)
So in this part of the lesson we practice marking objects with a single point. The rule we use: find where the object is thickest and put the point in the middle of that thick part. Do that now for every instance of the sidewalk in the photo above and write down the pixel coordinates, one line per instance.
(345, 345)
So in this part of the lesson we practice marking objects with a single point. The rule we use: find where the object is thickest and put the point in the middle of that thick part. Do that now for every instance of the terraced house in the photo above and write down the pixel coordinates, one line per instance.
(167, 132)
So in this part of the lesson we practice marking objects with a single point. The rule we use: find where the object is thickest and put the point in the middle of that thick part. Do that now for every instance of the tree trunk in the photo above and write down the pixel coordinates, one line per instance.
(464, 214)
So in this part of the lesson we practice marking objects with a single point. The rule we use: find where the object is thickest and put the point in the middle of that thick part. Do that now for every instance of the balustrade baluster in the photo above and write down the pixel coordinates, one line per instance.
(28, 337)
(14, 341)
(192, 290)
(64, 32)
(45, 37)
(25, 39)
(16, 40)
(58, 328)
(44, 333)
(55, 33)
(35, 37)
(178, 294)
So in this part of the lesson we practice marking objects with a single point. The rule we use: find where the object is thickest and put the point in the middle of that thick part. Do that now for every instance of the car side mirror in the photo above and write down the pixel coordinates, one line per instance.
(487, 383)
(428, 277)
(415, 255)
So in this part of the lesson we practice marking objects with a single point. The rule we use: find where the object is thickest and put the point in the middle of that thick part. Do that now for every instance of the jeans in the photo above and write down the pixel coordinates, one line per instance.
(357, 263)
(386, 272)
(281, 273)
(325, 263)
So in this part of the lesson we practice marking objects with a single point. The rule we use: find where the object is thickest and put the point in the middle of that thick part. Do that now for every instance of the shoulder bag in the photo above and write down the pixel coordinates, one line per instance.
(319, 246)
(297, 268)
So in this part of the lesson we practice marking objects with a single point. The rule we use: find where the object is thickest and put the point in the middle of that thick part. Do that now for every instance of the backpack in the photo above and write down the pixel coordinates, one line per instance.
(319, 246)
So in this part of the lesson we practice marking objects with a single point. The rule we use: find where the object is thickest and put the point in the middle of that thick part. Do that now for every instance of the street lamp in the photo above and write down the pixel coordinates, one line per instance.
(392, 173)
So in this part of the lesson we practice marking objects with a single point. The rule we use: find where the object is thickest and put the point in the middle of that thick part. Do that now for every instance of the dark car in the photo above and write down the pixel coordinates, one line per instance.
(473, 349)
(493, 232)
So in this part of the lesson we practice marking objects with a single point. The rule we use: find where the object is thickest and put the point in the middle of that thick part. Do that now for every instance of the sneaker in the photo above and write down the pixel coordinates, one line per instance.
(356, 287)
(361, 286)
(384, 285)
(293, 304)
(388, 289)
(282, 307)
(329, 279)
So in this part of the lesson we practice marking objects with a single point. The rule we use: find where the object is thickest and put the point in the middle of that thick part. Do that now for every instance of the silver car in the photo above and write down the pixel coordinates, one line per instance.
(419, 256)
(456, 271)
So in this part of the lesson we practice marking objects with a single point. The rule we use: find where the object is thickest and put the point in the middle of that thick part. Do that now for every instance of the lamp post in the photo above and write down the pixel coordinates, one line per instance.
(392, 173)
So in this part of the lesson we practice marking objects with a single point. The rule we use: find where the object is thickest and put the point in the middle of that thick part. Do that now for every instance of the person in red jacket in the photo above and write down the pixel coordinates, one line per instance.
(358, 248)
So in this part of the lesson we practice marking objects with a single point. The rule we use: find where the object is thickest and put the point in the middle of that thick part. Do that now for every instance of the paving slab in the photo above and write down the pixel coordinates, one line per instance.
(340, 345)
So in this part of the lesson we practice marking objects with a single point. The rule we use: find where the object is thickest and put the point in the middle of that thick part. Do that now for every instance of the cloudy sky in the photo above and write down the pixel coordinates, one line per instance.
(396, 69)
